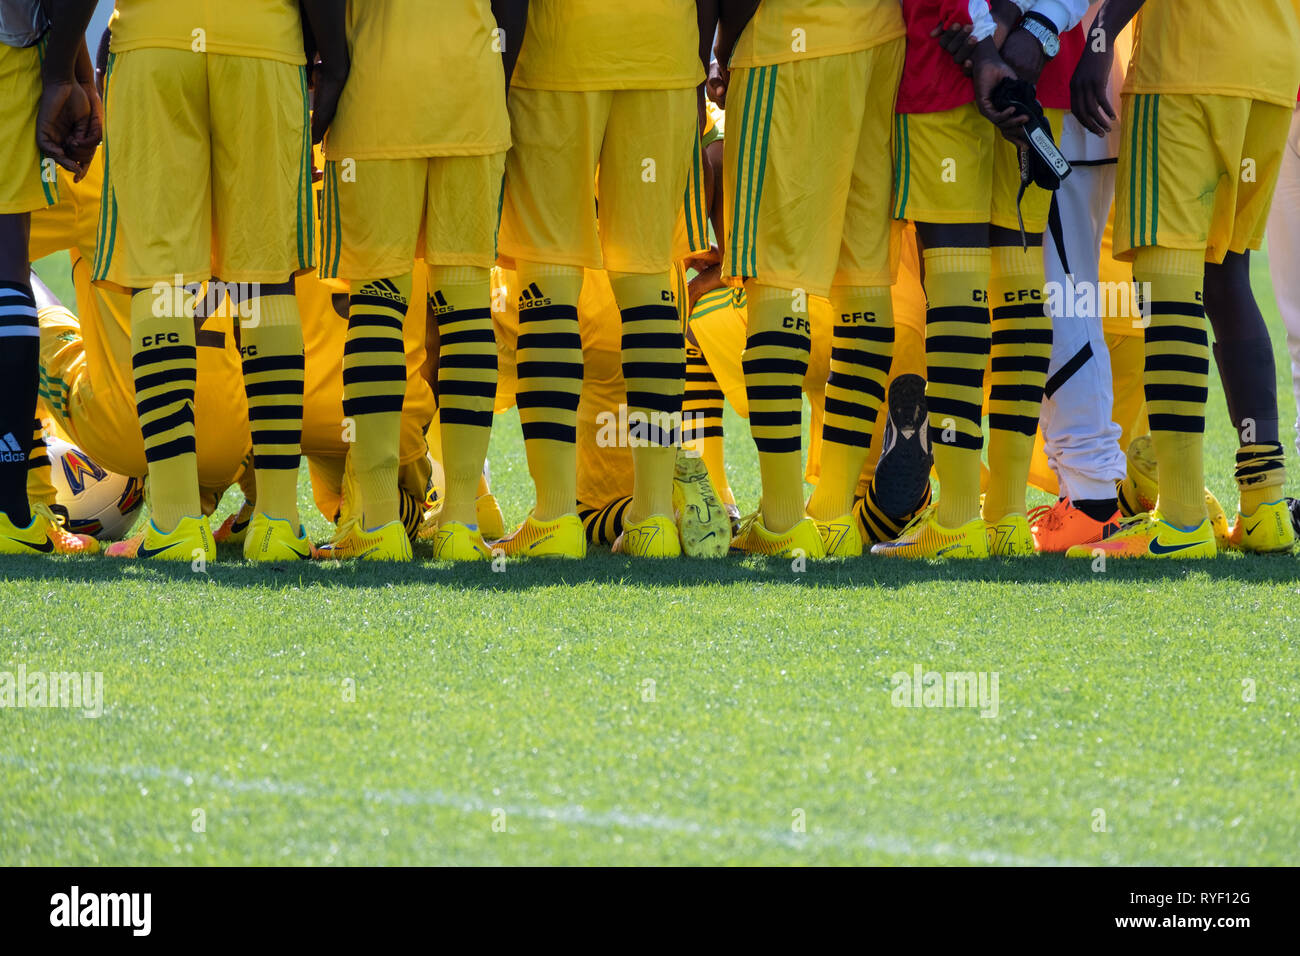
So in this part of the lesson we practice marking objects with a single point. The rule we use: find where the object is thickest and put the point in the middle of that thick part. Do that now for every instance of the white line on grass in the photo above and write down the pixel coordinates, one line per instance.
(571, 814)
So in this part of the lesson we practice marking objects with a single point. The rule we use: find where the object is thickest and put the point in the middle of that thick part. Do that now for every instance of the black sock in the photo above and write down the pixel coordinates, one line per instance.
(20, 359)
(1098, 509)
(1249, 376)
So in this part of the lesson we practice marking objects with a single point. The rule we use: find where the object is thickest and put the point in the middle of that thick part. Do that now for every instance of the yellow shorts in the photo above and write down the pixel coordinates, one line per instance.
(806, 204)
(26, 181)
(208, 170)
(378, 215)
(88, 388)
(955, 167)
(691, 236)
(632, 148)
(1197, 172)
(324, 332)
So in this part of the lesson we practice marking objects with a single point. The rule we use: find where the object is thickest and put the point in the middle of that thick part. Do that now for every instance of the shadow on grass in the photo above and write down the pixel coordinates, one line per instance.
(601, 567)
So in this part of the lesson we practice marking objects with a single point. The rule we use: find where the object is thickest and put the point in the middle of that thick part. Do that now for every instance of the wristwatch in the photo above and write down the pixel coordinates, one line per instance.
(1044, 31)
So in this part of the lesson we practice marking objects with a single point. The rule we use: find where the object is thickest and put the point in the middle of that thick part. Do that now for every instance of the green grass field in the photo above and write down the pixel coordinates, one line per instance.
(702, 712)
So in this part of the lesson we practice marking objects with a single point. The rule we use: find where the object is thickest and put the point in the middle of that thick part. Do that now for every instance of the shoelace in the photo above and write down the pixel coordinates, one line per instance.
(919, 519)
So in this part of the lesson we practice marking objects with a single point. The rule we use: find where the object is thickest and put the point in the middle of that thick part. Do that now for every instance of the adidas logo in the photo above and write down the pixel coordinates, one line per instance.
(531, 297)
(384, 289)
(10, 450)
(438, 302)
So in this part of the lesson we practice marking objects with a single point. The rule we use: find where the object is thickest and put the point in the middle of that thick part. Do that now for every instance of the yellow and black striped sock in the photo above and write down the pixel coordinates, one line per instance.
(271, 346)
(1021, 347)
(775, 362)
(702, 429)
(374, 385)
(654, 367)
(875, 524)
(862, 346)
(549, 370)
(957, 348)
(164, 364)
(467, 381)
(1260, 474)
(604, 525)
(40, 488)
(1177, 376)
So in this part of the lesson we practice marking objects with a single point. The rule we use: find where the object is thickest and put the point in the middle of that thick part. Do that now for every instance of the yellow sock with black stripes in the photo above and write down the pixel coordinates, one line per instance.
(1177, 376)
(549, 369)
(956, 349)
(654, 368)
(164, 364)
(374, 385)
(604, 525)
(862, 346)
(875, 524)
(702, 429)
(1260, 474)
(40, 487)
(273, 380)
(1021, 348)
(467, 381)
(775, 362)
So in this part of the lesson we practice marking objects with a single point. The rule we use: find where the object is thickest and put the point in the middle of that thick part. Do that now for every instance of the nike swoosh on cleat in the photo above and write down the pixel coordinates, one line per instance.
(146, 552)
(1250, 529)
(45, 547)
(1158, 548)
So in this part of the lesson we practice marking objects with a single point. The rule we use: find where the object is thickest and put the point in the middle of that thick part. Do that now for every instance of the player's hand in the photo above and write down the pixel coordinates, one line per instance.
(956, 40)
(1088, 98)
(327, 88)
(1024, 54)
(67, 126)
(716, 84)
(987, 71)
(701, 262)
(708, 280)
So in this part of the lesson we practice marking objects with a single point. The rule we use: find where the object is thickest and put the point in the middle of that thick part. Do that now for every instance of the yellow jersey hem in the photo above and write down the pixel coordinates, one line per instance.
(436, 151)
(1174, 89)
(771, 59)
(220, 49)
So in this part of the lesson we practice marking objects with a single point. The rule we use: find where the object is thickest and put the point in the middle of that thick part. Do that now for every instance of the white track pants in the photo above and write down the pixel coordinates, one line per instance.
(1284, 252)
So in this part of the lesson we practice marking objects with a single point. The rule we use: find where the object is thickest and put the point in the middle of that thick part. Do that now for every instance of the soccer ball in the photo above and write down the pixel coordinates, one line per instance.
(92, 499)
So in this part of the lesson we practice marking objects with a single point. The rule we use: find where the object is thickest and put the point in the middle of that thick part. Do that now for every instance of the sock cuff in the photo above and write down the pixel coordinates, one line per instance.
(1012, 261)
(758, 294)
(271, 311)
(951, 259)
(440, 276)
(550, 270)
(1177, 262)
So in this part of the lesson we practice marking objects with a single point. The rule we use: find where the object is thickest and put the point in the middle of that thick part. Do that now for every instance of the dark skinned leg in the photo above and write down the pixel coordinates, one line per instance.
(19, 366)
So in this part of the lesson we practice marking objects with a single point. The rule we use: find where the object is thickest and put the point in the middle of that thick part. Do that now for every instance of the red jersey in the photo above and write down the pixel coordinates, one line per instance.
(932, 82)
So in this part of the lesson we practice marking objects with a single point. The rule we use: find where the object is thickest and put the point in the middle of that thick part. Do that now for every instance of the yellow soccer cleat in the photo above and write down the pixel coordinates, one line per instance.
(1267, 531)
(388, 542)
(702, 522)
(840, 537)
(926, 538)
(1139, 490)
(804, 540)
(273, 539)
(44, 534)
(491, 522)
(1010, 537)
(655, 537)
(1150, 536)
(561, 537)
(235, 528)
(455, 541)
(190, 540)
